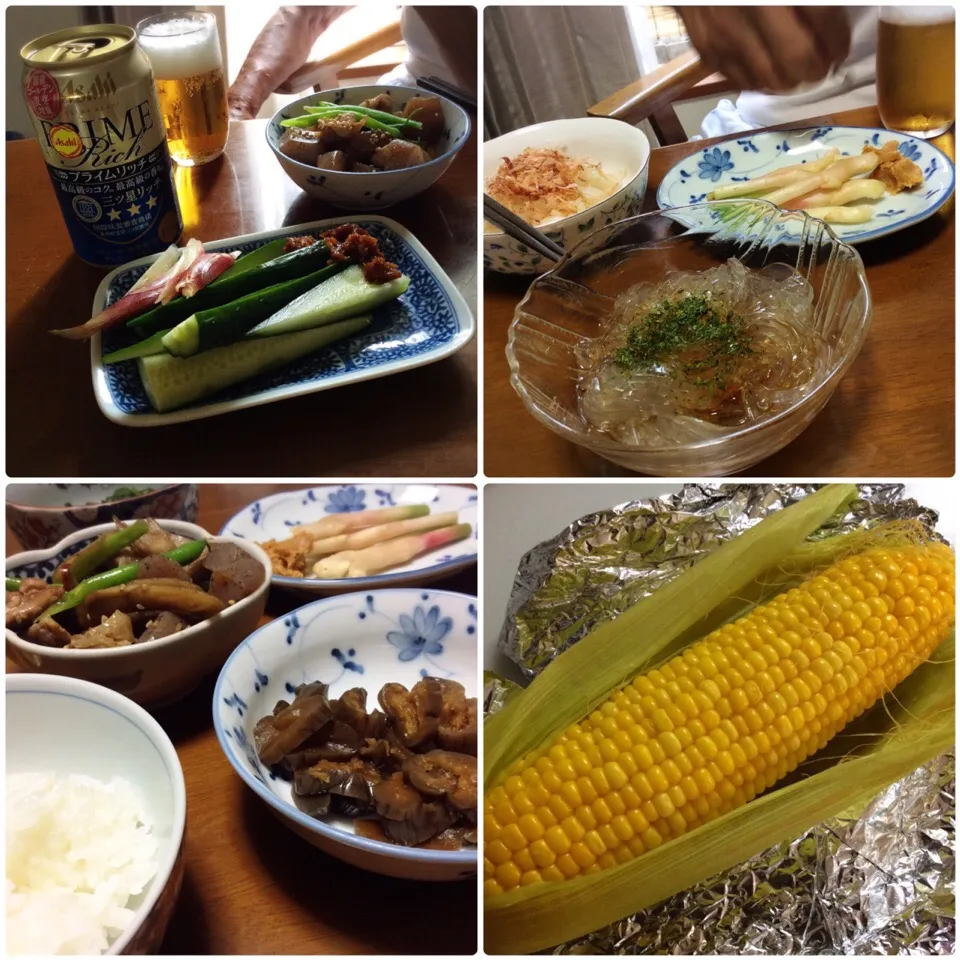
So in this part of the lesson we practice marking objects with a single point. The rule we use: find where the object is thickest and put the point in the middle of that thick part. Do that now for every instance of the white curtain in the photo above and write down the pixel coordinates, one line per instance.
(548, 63)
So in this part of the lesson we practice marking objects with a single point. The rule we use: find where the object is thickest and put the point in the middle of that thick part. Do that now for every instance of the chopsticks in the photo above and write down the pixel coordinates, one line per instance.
(520, 230)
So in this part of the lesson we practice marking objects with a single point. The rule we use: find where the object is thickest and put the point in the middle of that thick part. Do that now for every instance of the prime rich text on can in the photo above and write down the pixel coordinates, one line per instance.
(91, 95)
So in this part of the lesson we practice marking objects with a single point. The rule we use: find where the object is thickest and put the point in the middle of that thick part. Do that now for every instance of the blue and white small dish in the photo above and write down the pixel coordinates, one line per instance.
(273, 518)
(429, 322)
(381, 188)
(752, 155)
(358, 640)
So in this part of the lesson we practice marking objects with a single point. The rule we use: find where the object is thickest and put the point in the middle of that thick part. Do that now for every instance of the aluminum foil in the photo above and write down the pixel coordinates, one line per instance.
(605, 562)
(879, 881)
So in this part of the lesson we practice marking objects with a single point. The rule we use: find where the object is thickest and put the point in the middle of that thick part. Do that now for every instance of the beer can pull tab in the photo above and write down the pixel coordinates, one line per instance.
(76, 49)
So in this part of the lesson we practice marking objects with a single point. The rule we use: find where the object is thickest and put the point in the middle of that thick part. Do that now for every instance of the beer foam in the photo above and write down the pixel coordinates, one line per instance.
(917, 16)
(180, 47)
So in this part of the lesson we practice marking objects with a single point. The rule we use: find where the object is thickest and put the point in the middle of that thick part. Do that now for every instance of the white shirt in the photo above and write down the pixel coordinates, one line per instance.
(424, 56)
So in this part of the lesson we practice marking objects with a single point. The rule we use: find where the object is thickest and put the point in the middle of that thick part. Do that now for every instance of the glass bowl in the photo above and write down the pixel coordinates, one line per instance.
(575, 300)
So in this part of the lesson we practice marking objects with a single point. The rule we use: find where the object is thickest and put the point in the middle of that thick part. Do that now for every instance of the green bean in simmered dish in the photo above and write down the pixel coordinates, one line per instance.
(147, 583)
(365, 138)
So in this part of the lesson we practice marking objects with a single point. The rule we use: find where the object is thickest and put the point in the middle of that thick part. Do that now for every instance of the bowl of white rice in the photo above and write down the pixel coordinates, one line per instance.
(95, 816)
(597, 175)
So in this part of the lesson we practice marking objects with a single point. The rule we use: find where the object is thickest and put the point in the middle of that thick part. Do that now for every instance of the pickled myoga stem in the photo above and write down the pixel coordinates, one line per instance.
(701, 353)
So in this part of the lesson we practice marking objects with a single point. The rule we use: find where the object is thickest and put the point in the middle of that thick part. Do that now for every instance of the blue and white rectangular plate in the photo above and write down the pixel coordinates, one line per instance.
(752, 155)
(273, 517)
(429, 322)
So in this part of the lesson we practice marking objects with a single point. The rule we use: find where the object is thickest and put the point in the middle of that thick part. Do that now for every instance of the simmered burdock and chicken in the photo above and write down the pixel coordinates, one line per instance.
(409, 767)
(132, 585)
(365, 138)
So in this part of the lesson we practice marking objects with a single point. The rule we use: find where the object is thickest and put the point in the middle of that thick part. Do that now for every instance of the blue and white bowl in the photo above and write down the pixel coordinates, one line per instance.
(272, 518)
(383, 188)
(618, 147)
(40, 514)
(357, 640)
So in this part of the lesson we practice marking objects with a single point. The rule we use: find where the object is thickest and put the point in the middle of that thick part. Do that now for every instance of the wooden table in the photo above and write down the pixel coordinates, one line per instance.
(419, 423)
(893, 413)
(251, 885)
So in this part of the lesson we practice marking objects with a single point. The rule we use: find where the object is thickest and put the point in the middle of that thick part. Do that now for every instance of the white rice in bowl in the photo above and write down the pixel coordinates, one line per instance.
(78, 851)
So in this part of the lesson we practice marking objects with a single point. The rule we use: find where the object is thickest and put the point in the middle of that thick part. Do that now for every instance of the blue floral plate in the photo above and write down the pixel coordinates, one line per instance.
(752, 155)
(429, 322)
(358, 640)
(272, 517)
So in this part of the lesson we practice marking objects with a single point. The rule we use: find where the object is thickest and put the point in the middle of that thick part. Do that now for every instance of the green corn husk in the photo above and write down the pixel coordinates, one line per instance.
(576, 682)
(901, 732)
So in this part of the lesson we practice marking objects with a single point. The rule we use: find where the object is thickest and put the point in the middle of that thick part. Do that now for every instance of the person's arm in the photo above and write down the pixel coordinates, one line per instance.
(769, 48)
(282, 47)
(455, 31)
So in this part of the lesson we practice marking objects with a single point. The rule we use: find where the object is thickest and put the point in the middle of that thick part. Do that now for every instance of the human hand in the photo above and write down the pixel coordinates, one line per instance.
(769, 48)
(240, 108)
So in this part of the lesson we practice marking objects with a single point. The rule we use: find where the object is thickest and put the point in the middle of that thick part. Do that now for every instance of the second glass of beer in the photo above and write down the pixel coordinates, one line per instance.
(915, 63)
(184, 49)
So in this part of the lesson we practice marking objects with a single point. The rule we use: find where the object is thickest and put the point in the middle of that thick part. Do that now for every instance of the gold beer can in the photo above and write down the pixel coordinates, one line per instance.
(92, 99)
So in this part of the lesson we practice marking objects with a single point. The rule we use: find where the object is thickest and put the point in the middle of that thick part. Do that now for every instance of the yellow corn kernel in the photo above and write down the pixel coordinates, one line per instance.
(715, 726)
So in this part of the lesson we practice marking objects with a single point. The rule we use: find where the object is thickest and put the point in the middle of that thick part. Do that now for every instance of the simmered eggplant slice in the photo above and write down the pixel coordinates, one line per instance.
(276, 736)
(382, 765)
(441, 773)
(457, 729)
(178, 596)
(415, 713)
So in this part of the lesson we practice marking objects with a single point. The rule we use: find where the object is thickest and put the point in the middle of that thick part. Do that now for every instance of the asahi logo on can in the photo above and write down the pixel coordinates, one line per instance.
(66, 141)
(97, 89)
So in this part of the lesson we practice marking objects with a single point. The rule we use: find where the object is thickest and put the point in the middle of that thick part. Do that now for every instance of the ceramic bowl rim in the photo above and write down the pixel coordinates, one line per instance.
(46, 684)
(567, 221)
(449, 154)
(828, 384)
(165, 488)
(62, 655)
(358, 583)
(464, 857)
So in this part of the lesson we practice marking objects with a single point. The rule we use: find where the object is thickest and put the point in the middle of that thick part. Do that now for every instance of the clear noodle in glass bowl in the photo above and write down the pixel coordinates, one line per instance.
(563, 327)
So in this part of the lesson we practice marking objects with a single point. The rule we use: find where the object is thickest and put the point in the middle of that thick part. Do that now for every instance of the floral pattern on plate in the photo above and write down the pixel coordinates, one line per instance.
(272, 518)
(753, 155)
(319, 642)
(429, 322)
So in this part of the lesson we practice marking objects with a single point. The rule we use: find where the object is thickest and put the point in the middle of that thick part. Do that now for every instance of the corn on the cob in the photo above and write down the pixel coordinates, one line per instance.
(715, 726)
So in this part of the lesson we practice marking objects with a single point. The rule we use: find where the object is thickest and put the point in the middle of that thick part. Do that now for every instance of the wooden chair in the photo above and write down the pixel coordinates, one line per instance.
(652, 97)
(375, 53)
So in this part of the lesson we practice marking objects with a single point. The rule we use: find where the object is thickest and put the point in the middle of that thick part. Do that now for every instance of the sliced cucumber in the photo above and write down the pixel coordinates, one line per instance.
(145, 348)
(173, 382)
(222, 325)
(264, 254)
(289, 266)
(346, 295)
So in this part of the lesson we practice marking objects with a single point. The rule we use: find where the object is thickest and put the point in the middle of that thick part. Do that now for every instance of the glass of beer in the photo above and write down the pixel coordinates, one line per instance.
(915, 63)
(184, 49)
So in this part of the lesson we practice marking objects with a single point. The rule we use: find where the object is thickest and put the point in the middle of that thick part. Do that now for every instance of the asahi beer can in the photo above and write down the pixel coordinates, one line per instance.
(91, 95)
